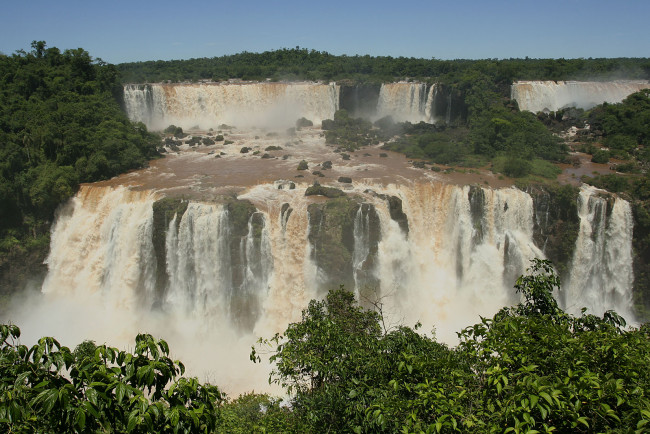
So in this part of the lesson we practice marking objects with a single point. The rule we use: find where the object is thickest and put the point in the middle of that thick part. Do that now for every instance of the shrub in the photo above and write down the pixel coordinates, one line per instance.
(601, 157)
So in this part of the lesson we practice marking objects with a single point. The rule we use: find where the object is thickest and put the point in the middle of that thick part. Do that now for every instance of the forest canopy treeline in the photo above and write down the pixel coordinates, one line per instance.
(304, 64)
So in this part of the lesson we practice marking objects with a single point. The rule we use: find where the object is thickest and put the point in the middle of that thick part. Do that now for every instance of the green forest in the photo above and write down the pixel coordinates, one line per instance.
(304, 64)
(61, 124)
(531, 368)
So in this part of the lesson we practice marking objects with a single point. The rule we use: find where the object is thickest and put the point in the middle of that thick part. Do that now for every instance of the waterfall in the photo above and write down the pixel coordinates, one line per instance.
(102, 245)
(403, 101)
(601, 274)
(208, 105)
(536, 96)
(230, 278)
(429, 107)
(198, 262)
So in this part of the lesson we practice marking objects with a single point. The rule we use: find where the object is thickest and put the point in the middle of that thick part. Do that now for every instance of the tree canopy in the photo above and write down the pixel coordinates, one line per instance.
(60, 124)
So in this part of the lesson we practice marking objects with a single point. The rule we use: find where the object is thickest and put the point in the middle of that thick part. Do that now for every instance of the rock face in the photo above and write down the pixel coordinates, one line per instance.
(344, 236)
(164, 211)
(556, 223)
(319, 190)
(360, 100)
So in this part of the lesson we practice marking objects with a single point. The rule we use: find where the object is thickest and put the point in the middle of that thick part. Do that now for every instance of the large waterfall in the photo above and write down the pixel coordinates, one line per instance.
(536, 96)
(212, 247)
(208, 105)
(223, 272)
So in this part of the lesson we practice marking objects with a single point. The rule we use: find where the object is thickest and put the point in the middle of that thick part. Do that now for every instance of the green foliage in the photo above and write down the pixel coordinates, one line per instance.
(497, 130)
(530, 368)
(48, 388)
(175, 131)
(303, 64)
(60, 124)
(600, 156)
(257, 413)
(348, 133)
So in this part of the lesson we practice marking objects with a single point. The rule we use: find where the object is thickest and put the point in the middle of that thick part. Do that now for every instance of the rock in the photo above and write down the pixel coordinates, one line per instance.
(319, 190)
(419, 164)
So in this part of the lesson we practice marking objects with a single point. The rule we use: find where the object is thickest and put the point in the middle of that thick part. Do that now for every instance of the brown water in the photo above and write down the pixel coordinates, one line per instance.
(203, 172)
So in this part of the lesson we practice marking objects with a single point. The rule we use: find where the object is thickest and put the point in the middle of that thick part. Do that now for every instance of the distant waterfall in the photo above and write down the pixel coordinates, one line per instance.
(209, 105)
(536, 96)
(404, 102)
(601, 276)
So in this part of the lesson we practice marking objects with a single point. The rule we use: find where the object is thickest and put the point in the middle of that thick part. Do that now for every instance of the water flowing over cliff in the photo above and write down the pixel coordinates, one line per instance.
(209, 105)
(536, 96)
(601, 276)
(230, 268)
(406, 102)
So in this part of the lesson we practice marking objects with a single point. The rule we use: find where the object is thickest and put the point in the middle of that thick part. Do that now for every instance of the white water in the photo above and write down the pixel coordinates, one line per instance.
(536, 96)
(405, 102)
(601, 275)
(209, 105)
(458, 261)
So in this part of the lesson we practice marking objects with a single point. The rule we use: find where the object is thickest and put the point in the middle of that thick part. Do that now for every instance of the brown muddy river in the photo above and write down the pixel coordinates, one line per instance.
(202, 172)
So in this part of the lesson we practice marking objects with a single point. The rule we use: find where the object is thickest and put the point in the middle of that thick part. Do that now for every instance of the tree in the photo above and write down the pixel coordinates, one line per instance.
(530, 368)
(48, 388)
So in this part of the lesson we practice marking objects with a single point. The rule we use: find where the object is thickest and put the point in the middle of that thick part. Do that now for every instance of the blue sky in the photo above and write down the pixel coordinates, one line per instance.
(123, 31)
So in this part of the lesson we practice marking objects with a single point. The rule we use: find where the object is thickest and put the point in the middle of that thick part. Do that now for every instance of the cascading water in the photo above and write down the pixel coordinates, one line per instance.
(403, 101)
(209, 105)
(536, 96)
(601, 274)
(454, 258)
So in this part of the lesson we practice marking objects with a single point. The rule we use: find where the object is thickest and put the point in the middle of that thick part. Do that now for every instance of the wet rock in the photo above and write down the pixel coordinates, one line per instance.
(319, 190)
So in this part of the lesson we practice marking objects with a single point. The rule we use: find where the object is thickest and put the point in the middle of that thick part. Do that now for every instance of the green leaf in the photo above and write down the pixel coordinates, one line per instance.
(80, 419)
(91, 409)
(546, 397)
(133, 421)
(50, 400)
(174, 417)
(120, 390)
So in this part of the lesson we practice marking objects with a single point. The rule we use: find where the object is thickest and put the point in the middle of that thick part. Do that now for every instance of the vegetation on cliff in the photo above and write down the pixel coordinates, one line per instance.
(60, 124)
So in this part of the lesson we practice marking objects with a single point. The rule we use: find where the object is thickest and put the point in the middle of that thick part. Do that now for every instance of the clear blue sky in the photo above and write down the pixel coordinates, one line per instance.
(123, 31)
